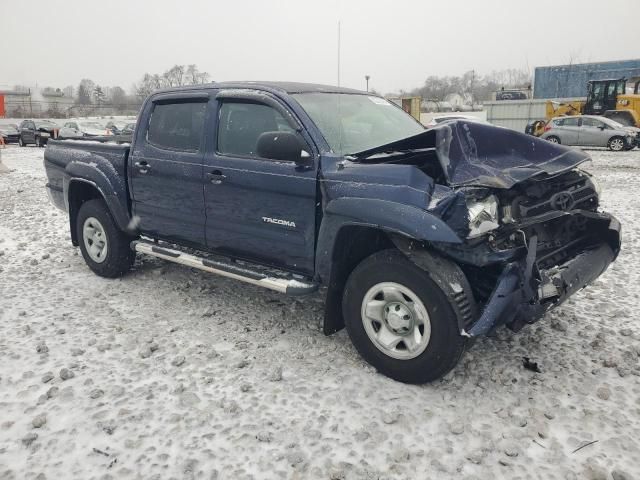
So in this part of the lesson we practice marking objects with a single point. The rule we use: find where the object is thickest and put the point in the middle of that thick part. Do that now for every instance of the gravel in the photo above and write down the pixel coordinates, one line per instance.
(66, 374)
(39, 421)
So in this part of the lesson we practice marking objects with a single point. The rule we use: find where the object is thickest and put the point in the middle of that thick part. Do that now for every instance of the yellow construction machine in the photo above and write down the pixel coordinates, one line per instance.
(608, 98)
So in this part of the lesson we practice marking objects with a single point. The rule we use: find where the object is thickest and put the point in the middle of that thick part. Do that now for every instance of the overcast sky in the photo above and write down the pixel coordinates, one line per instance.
(398, 43)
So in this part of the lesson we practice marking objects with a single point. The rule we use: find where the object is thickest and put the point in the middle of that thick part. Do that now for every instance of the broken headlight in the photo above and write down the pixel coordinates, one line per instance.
(483, 215)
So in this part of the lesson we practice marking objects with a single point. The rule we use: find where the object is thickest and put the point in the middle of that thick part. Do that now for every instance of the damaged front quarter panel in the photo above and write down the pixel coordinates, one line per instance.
(531, 234)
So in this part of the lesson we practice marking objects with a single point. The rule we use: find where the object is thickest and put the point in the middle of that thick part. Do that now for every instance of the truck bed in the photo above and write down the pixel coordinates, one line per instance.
(101, 164)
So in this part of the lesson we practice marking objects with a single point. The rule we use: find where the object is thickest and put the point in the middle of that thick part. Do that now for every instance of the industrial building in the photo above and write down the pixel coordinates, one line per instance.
(29, 102)
(570, 81)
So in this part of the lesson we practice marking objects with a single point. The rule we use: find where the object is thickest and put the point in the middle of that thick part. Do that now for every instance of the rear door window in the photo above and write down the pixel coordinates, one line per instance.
(177, 126)
(570, 122)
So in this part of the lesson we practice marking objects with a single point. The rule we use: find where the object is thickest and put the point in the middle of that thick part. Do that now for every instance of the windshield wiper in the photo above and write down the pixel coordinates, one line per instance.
(390, 153)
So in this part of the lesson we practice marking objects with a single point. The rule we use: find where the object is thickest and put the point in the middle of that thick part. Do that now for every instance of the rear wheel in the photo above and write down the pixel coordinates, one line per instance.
(553, 139)
(104, 246)
(399, 320)
(616, 144)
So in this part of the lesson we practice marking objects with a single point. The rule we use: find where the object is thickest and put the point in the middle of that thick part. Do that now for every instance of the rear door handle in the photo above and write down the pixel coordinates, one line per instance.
(216, 177)
(143, 166)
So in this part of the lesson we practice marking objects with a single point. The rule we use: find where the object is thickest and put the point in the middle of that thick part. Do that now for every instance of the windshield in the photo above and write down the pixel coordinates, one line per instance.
(8, 127)
(93, 125)
(351, 123)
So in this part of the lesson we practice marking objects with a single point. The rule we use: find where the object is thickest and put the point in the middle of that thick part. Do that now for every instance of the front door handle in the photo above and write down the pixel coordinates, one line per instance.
(216, 177)
(143, 166)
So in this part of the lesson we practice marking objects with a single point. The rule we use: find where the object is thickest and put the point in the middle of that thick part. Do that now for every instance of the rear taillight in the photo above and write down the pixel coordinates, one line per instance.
(547, 128)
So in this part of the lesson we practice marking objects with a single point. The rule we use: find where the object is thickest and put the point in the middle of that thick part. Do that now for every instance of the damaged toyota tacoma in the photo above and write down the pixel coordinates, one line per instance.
(418, 239)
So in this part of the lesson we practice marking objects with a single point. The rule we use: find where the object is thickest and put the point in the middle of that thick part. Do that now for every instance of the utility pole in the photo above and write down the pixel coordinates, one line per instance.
(30, 104)
(473, 78)
(338, 52)
(367, 77)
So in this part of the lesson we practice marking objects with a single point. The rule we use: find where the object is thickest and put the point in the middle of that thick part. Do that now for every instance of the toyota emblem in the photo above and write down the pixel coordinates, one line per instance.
(562, 201)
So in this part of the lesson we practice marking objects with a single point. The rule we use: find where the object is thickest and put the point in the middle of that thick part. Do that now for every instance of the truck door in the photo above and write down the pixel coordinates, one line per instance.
(258, 208)
(165, 170)
(28, 131)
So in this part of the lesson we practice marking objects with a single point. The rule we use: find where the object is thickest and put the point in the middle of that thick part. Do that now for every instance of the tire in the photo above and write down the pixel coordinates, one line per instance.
(20, 141)
(112, 256)
(616, 144)
(38, 142)
(554, 139)
(434, 354)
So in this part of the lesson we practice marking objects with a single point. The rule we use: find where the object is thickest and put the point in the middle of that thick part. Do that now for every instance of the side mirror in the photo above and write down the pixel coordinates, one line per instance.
(601, 127)
(282, 146)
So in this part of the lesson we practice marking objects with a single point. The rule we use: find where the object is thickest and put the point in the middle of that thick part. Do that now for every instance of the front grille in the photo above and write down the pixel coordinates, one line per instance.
(572, 191)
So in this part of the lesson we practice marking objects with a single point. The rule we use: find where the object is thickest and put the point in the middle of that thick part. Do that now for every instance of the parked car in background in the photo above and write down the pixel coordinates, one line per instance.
(128, 129)
(591, 131)
(449, 118)
(37, 132)
(511, 95)
(9, 132)
(82, 129)
(116, 126)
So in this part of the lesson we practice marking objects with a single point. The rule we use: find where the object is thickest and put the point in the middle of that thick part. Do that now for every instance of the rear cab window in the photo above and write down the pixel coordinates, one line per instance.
(177, 125)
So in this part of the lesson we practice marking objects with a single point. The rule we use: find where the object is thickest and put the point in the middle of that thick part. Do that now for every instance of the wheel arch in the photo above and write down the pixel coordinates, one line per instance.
(353, 243)
(80, 190)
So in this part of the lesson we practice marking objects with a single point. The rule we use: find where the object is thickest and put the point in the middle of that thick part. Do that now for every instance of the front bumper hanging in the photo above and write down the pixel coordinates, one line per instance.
(523, 293)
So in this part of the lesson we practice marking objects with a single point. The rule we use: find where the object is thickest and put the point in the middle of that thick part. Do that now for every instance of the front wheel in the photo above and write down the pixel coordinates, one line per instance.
(20, 141)
(104, 246)
(616, 144)
(399, 319)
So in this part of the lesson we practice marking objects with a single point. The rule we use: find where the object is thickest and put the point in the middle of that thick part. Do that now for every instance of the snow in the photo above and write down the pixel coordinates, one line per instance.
(181, 374)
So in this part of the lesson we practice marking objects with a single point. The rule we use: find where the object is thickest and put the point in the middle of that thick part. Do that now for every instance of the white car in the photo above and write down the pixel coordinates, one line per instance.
(83, 129)
(591, 131)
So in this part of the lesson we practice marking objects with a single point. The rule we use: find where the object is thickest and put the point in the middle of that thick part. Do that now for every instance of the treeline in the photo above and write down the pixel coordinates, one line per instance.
(91, 98)
(472, 86)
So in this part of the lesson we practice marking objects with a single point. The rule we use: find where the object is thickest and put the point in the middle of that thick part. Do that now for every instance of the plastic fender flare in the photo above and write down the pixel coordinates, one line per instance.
(111, 194)
(396, 217)
(447, 275)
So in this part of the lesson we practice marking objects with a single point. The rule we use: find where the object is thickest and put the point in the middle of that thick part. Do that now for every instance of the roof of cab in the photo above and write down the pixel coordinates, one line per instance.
(286, 87)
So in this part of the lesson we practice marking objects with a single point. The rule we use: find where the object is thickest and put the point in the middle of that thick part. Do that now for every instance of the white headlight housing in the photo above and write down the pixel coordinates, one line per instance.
(483, 216)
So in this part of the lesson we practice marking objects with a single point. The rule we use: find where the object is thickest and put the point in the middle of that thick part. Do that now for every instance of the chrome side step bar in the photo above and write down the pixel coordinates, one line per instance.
(226, 269)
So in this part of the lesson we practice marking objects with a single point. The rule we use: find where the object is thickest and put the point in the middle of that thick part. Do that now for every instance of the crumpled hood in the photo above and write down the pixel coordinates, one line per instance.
(478, 154)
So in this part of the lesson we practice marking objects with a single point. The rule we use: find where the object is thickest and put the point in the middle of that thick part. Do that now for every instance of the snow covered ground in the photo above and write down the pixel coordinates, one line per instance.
(171, 373)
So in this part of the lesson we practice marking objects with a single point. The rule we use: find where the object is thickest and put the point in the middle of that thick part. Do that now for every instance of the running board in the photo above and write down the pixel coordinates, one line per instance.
(290, 286)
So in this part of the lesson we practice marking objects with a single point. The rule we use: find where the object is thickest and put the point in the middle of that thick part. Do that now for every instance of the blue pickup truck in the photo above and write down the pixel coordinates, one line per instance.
(418, 239)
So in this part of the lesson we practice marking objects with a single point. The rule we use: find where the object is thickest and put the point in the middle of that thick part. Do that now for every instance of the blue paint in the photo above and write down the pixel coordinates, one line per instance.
(570, 81)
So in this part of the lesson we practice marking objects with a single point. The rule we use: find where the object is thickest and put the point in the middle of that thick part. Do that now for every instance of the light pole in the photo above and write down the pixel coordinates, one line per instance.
(367, 77)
